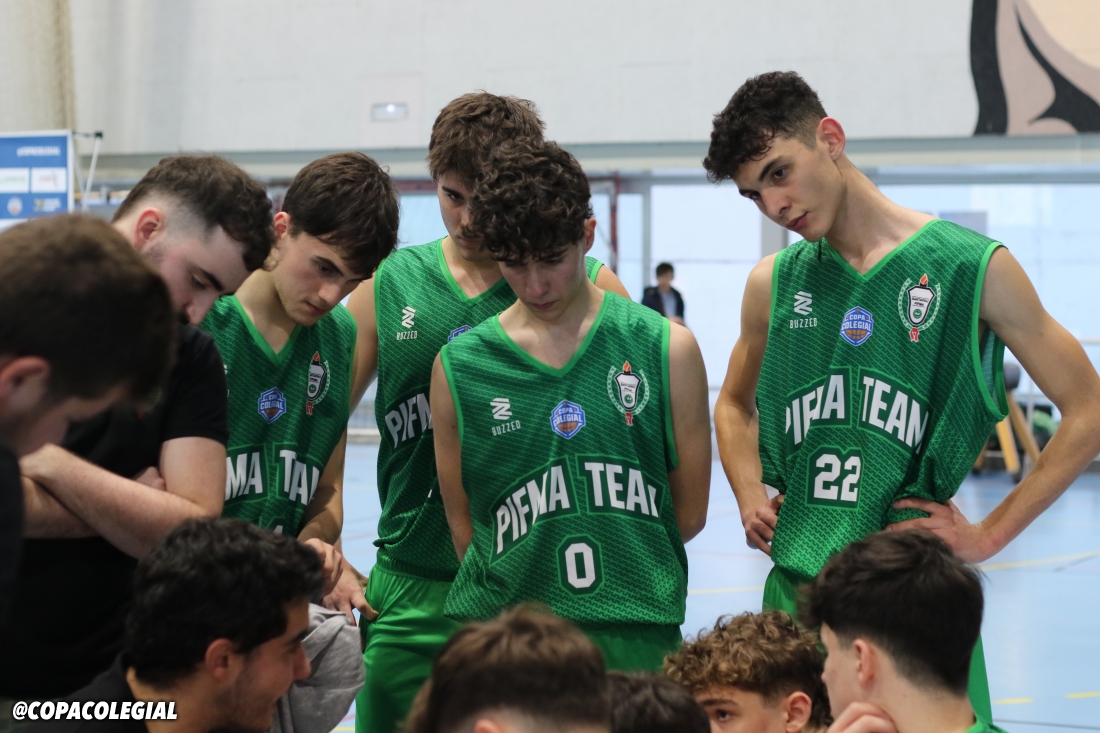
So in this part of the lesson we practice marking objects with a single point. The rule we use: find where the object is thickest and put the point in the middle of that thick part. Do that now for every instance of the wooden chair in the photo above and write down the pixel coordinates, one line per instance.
(1012, 428)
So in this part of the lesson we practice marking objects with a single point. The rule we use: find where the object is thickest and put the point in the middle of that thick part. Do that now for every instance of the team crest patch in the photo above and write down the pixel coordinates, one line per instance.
(918, 305)
(458, 332)
(567, 419)
(272, 405)
(857, 326)
(316, 382)
(628, 390)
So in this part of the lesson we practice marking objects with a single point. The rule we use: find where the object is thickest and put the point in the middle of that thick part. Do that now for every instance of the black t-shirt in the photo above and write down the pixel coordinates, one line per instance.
(72, 595)
(110, 687)
(11, 525)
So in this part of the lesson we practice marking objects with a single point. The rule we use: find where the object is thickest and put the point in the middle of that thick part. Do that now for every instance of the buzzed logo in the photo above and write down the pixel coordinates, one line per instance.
(407, 315)
(502, 408)
(802, 303)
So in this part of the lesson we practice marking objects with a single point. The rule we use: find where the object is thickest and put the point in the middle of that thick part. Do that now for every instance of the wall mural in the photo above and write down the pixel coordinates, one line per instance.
(1036, 66)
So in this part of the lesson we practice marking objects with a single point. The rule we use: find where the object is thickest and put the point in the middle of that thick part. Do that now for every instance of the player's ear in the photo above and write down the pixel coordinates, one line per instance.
(589, 233)
(24, 383)
(222, 662)
(149, 223)
(282, 224)
(868, 661)
(797, 707)
(831, 135)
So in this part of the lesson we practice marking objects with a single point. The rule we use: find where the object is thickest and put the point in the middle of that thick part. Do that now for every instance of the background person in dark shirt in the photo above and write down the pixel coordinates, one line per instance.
(664, 298)
(122, 481)
(219, 612)
(63, 278)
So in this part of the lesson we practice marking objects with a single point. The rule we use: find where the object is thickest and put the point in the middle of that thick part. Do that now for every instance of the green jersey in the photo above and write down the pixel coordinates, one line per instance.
(566, 471)
(287, 411)
(419, 307)
(874, 387)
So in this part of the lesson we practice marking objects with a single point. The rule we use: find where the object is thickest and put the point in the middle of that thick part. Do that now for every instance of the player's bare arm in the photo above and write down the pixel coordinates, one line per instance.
(688, 394)
(609, 281)
(46, 517)
(131, 515)
(735, 415)
(1056, 362)
(448, 460)
(361, 307)
(324, 517)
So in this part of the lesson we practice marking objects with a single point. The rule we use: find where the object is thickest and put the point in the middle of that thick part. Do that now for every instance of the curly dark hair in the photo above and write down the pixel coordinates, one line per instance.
(766, 653)
(348, 202)
(219, 194)
(213, 579)
(530, 202)
(776, 104)
(908, 593)
(472, 126)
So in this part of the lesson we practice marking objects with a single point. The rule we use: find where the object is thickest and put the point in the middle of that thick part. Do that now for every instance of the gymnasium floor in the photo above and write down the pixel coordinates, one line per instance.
(1042, 592)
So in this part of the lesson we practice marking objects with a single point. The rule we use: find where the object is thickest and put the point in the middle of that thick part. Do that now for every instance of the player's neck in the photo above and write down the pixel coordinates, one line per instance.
(554, 341)
(473, 276)
(914, 710)
(193, 709)
(868, 225)
(261, 302)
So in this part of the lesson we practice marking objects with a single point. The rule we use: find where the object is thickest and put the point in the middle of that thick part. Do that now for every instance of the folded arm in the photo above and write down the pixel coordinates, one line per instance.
(131, 515)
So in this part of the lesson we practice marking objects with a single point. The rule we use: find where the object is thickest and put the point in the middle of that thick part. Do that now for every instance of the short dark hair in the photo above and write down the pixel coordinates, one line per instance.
(909, 594)
(348, 202)
(525, 661)
(664, 267)
(77, 294)
(643, 702)
(213, 579)
(218, 193)
(776, 104)
(472, 126)
(530, 202)
(766, 653)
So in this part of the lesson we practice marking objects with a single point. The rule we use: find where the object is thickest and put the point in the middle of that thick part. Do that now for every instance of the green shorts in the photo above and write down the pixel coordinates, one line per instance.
(630, 648)
(399, 646)
(781, 594)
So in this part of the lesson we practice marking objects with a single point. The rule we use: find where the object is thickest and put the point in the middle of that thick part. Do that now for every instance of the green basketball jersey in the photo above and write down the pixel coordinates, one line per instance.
(566, 471)
(287, 411)
(874, 387)
(419, 307)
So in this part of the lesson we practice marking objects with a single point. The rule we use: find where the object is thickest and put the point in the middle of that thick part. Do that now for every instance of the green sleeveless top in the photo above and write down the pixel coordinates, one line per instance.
(566, 471)
(874, 387)
(419, 307)
(287, 411)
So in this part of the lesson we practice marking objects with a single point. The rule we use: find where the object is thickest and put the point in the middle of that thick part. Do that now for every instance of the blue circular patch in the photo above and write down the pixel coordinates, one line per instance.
(567, 419)
(857, 326)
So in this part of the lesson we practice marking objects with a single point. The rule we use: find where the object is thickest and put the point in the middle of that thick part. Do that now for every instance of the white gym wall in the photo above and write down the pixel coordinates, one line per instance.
(246, 75)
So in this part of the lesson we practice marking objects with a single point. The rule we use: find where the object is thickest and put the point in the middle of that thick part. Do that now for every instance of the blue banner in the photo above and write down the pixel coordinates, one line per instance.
(36, 175)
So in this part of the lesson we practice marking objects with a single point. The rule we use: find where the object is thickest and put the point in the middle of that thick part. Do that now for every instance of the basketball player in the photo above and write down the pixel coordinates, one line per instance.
(881, 378)
(898, 614)
(421, 298)
(572, 434)
(289, 346)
